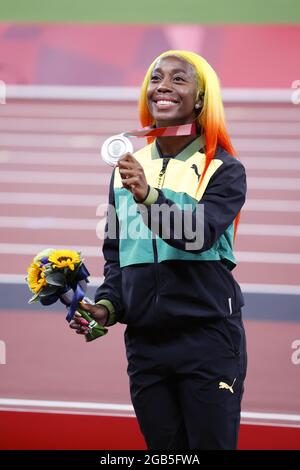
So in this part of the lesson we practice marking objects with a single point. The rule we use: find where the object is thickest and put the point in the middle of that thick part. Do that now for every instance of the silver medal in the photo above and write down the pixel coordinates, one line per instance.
(114, 148)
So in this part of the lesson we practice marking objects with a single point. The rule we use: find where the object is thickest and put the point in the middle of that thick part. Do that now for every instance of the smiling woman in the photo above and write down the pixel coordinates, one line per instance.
(169, 279)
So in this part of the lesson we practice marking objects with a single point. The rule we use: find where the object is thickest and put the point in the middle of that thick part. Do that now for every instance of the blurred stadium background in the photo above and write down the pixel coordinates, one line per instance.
(70, 75)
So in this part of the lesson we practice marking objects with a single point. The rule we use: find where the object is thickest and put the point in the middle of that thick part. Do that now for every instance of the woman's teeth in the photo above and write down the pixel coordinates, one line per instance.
(165, 102)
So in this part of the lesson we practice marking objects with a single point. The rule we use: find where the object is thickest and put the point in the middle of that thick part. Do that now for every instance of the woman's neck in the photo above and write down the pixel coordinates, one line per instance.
(173, 145)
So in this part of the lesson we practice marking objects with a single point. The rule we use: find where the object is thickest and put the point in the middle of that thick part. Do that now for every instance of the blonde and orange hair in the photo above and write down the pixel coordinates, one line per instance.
(211, 118)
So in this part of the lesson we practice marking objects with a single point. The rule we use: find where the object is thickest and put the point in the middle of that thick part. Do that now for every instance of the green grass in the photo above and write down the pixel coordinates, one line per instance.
(152, 11)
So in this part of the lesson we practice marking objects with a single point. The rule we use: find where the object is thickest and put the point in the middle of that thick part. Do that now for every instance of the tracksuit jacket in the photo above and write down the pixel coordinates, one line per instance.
(158, 279)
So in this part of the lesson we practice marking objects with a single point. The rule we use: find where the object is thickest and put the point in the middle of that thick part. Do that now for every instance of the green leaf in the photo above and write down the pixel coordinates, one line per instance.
(55, 279)
(34, 298)
(48, 290)
(48, 269)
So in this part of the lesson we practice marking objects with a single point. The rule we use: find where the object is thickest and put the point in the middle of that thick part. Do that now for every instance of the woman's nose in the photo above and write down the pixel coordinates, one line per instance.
(164, 85)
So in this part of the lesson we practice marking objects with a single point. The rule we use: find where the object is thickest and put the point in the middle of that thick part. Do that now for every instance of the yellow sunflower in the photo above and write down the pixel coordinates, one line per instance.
(65, 259)
(36, 278)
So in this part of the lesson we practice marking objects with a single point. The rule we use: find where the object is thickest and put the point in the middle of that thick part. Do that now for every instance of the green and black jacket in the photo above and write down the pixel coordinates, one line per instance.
(153, 277)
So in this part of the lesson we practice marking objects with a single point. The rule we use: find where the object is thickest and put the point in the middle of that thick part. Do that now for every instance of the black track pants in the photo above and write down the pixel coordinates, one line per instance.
(186, 385)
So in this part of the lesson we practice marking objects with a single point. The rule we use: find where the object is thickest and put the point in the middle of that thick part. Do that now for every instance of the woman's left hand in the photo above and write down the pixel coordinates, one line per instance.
(133, 176)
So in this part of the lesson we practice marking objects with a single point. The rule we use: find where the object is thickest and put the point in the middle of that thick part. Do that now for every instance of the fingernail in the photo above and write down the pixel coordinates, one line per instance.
(84, 322)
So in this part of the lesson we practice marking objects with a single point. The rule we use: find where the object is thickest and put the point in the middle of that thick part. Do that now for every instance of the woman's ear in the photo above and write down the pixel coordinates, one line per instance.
(199, 102)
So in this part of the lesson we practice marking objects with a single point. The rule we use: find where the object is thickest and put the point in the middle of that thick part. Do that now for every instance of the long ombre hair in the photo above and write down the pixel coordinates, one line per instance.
(211, 119)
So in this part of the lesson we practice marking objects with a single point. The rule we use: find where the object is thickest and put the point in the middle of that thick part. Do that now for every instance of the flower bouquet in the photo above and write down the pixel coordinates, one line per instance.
(61, 274)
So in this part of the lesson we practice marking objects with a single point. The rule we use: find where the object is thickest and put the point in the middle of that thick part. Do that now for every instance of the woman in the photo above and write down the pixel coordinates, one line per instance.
(173, 288)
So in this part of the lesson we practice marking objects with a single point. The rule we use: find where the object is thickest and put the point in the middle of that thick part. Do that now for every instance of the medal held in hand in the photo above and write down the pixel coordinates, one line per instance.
(116, 146)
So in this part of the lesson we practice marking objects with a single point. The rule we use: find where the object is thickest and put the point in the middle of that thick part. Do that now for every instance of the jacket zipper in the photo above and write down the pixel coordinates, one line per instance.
(161, 176)
(160, 183)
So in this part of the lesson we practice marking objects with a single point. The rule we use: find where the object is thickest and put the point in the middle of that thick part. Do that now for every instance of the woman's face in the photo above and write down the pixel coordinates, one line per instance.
(171, 93)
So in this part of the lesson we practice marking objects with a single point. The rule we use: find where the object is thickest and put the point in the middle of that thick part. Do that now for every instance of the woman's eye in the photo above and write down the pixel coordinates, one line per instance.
(155, 78)
(178, 79)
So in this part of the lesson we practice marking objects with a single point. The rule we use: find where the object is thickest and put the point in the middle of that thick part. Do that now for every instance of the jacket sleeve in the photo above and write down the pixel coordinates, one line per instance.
(109, 294)
(221, 201)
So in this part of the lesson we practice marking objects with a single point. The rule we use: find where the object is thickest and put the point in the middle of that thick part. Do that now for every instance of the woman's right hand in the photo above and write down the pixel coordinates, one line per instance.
(97, 312)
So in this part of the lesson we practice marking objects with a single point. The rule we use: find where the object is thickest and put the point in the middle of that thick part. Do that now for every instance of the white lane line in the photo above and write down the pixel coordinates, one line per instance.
(50, 223)
(267, 230)
(253, 129)
(86, 93)
(269, 289)
(87, 141)
(263, 257)
(60, 411)
(271, 163)
(19, 157)
(95, 251)
(54, 141)
(42, 177)
(59, 126)
(66, 404)
(113, 110)
(85, 200)
(93, 159)
(33, 249)
(20, 279)
(259, 144)
(246, 287)
(271, 416)
(65, 178)
(46, 110)
(48, 405)
(21, 124)
(123, 93)
(262, 113)
(256, 95)
(44, 199)
(268, 205)
(286, 184)
(62, 223)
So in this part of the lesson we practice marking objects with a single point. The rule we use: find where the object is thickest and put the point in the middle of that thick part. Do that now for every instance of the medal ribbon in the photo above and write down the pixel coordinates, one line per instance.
(183, 129)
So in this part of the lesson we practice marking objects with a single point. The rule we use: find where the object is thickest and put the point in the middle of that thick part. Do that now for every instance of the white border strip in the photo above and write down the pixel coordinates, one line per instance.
(66, 404)
(48, 406)
(110, 93)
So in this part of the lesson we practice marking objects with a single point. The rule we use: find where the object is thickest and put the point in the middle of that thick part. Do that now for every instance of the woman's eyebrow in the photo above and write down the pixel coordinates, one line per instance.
(158, 69)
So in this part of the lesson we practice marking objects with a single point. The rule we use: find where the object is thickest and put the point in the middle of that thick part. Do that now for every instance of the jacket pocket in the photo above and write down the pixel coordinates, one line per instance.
(234, 299)
(235, 331)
